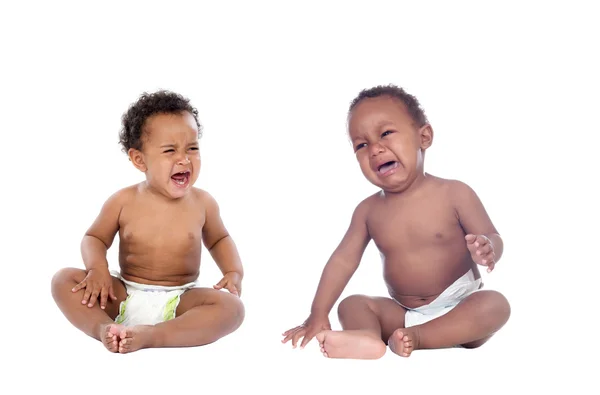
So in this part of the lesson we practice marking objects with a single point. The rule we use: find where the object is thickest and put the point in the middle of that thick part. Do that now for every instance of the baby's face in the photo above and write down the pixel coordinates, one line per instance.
(388, 145)
(170, 153)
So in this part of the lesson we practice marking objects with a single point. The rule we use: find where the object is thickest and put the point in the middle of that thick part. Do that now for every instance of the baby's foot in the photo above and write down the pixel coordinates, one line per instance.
(134, 338)
(351, 344)
(110, 336)
(404, 341)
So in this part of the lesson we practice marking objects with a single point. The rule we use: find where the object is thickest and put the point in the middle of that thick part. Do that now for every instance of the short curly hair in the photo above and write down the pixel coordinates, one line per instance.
(412, 104)
(148, 104)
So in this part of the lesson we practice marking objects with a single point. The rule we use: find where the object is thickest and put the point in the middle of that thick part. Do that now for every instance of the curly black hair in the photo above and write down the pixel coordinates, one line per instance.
(412, 104)
(148, 104)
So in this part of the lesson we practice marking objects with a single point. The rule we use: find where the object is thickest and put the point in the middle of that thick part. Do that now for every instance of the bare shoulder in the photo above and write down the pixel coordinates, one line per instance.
(357, 235)
(108, 220)
(213, 230)
(468, 207)
(206, 204)
(121, 197)
(204, 198)
(127, 194)
(448, 188)
(459, 192)
(201, 194)
(365, 206)
(364, 211)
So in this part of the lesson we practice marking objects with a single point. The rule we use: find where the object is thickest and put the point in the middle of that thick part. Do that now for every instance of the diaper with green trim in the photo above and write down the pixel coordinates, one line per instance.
(149, 304)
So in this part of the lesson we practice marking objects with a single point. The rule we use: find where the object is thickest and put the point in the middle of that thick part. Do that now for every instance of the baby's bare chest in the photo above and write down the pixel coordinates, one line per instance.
(410, 226)
(166, 229)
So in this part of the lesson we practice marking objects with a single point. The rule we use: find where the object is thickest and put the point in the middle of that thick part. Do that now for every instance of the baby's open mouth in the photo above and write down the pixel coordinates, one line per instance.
(387, 166)
(181, 178)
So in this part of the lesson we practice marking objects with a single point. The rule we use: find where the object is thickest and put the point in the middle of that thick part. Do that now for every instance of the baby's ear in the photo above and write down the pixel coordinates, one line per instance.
(426, 135)
(136, 157)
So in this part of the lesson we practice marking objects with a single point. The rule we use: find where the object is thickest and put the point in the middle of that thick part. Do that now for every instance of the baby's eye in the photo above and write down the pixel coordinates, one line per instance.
(169, 150)
(194, 148)
(359, 146)
(387, 132)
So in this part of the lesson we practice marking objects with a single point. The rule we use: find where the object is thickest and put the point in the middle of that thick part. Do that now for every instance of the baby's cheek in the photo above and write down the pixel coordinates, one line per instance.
(364, 165)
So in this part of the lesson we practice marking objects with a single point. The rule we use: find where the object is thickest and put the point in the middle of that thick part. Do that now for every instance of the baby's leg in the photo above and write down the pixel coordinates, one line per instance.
(203, 316)
(366, 322)
(471, 323)
(93, 321)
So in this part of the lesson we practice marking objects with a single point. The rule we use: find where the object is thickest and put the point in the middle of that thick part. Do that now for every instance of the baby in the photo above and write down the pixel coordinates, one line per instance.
(432, 234)
(154, 301)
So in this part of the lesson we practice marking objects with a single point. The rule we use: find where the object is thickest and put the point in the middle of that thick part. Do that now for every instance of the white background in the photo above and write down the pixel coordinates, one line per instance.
(511, 90)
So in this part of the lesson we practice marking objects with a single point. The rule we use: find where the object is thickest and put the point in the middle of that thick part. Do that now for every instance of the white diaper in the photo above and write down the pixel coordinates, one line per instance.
(446, 301)
(148, 304)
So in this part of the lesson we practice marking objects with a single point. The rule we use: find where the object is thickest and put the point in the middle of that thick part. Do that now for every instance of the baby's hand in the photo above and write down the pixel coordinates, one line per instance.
(482, 250)
(98, 282)
(232, 281)
(309, 329)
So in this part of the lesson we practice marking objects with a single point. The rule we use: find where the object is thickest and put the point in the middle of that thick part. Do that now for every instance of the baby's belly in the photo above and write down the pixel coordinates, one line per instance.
(417, 282)
(160, 269)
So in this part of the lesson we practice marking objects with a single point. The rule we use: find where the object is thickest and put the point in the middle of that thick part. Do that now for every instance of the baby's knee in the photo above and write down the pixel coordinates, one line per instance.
(498, 305)
(67, 275)
(234, 307)
(349, 304)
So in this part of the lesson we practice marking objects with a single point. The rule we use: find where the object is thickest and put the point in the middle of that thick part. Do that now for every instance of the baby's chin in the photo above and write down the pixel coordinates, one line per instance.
(179, 189)
(173, 189)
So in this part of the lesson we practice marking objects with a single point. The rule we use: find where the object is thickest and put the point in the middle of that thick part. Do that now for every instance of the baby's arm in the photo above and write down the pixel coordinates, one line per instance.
(96, 241)
(221, 247)
(343, 262)
(473, 217)
(100, 236)
(337, 272)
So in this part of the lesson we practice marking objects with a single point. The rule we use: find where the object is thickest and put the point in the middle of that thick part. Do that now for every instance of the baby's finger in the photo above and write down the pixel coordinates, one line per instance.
(297, 336)
(103, 298)
(79, 286)
(484, 249)
(290, 331)
(221, 283)
(289, 334)
(94, 297)
(307, 338)
(231, 288)
(470, 238)
(490, 263)
(489, 260)
(86, 295)
(111, 292)
(481, 241)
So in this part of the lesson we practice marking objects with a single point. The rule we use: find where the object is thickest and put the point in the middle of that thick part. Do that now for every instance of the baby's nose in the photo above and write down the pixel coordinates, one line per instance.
(376, 149)
(183, 161)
